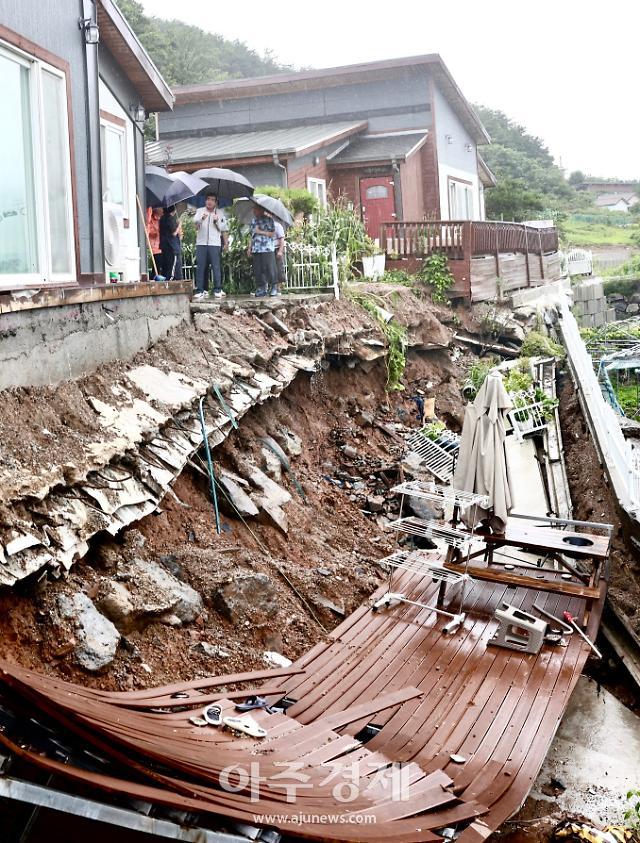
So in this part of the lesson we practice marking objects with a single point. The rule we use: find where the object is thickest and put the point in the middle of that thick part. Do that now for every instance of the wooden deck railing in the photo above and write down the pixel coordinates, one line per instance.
(460, 239)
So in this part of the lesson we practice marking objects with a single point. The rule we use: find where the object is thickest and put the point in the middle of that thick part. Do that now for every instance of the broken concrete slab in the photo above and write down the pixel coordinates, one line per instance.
(247, 597)
(274, 513)
(239, 500)
(271, 464)
(270, 490)
(97, 638)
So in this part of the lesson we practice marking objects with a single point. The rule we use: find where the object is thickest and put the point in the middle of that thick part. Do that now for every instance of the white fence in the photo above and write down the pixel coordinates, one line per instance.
(579, 262)
(621, 460)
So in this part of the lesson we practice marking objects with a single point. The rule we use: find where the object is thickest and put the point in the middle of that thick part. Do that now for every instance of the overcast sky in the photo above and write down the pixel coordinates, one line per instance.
(568, 70)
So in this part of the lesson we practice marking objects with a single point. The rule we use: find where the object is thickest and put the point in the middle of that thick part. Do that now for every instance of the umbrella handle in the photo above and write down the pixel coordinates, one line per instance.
(144, 225)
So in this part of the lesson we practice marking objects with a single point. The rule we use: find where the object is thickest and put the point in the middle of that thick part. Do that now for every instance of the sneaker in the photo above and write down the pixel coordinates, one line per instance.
(201, 296)
(275, 292)
(219, 294)
(260, 294)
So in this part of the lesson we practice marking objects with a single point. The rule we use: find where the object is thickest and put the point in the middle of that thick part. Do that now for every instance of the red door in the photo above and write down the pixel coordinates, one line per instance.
(377, 201)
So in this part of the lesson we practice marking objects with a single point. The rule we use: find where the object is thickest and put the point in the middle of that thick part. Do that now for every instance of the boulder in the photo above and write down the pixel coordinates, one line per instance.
(97, 638)
(633, 308)
(290, 442)
(248, 596)
(273, 514)
(146, 592)
(616, 297)
(325, 603)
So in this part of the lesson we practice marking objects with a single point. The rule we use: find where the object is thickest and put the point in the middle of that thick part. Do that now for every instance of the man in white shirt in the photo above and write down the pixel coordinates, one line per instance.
(211, 238)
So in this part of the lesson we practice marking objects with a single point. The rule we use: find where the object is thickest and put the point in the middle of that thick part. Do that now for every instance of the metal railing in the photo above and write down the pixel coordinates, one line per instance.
(621, 460)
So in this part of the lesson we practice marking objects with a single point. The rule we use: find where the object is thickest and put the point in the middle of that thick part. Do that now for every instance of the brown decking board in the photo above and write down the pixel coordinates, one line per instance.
(433, 694)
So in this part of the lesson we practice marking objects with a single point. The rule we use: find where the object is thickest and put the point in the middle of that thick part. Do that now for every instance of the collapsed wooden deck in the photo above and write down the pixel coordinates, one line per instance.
(425, 696)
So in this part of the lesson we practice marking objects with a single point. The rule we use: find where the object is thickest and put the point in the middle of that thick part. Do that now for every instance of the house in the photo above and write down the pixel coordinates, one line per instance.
(76, 86)
(616, 201)
(397, 137)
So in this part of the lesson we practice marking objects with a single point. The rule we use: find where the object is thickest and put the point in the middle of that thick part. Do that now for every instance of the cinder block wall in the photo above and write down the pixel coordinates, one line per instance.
(48, 345)
(590, 306)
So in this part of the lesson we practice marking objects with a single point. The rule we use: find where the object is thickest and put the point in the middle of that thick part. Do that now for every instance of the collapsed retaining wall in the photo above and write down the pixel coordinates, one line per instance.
(98, 453)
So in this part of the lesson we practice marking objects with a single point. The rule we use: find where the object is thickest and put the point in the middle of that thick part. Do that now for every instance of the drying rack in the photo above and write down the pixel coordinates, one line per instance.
(421, 562)
(438, 456)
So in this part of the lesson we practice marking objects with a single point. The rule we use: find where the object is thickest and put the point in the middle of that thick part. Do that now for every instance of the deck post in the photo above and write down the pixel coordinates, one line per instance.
(497, 249)
(526, 254)
(541, 257)
(468, 248)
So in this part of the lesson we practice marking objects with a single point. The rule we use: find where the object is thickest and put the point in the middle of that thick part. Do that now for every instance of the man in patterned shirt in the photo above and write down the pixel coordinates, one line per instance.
(262, 251)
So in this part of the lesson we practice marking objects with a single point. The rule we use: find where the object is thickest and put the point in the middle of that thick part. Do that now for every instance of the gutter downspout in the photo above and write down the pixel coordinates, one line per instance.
(276, 163)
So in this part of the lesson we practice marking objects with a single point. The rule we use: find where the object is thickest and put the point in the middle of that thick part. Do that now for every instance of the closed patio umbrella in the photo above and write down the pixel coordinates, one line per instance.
(482, 462)
(226, 184)
(243, 208)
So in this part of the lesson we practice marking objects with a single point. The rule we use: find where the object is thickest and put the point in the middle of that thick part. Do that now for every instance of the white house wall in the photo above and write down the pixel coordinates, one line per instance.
(455, 159)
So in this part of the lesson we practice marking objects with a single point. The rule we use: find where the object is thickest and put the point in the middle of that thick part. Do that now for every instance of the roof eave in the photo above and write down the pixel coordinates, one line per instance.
(120, 39)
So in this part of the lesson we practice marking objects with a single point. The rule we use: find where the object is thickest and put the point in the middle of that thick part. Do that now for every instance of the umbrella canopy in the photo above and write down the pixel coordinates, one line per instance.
(482, 462)
(244, 208)
(164, 189)
(226, 184)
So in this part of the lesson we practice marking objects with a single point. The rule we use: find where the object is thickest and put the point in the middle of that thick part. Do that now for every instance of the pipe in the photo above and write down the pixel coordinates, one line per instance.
(276, 163)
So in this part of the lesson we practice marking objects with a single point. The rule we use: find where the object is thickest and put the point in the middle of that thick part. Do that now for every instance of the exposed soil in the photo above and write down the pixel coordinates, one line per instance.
(331, 548)
(593, 501)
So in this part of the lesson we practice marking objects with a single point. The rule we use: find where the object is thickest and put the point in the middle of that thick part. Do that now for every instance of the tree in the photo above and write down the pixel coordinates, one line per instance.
(577, 178)
(512, 200)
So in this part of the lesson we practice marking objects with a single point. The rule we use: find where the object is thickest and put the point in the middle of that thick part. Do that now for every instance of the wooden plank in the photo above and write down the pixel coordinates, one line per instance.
(508, 578)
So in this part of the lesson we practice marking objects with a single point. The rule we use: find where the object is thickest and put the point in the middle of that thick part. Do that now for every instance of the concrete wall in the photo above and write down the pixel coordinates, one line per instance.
(396, 103)
(53, 344)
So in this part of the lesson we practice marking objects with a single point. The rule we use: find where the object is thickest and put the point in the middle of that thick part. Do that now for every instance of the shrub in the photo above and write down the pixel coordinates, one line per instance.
(436, 273)
(396, 337)
(297, 200)
(537, 344)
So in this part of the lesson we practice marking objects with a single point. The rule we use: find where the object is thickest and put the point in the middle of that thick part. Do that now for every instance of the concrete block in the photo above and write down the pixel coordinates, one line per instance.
(578, 309)
(611, 314)
(598, 319)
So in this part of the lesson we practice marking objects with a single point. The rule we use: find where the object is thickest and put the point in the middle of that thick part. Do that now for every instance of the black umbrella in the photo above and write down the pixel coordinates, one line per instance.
(244, 208)
(164, 189)
(226, 184)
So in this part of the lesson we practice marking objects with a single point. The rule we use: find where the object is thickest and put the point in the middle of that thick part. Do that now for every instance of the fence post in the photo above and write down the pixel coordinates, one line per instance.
(526, 254)
(334, 270)
(541, 257)
(497, 251)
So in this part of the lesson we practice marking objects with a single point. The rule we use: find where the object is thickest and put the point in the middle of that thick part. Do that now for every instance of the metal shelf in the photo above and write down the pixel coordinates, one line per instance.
(433, 530)
(418, 562)
(445, 494)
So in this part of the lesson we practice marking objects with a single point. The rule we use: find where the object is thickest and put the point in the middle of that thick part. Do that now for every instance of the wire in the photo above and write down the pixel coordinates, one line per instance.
(212, 476)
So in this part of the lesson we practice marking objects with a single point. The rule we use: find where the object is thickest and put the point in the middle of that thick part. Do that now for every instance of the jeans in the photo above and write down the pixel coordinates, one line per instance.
(264, 270)
(280, 273)
(208, 256)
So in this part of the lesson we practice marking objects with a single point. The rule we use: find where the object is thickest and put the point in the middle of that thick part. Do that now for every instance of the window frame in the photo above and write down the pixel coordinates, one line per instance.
(117, 128)
(314, 186)
(36, 65)
(460, 191)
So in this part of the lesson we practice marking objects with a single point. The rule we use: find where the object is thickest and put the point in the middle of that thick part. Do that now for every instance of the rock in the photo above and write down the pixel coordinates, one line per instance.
(97, 638)
(146, 592)
(365, 418)
(350, 452)
(210, 650)
(238, 498)
(272, 464)
(324, 572)
(247, 596)
(274, 659)
(290, 442)
(427, 510)
(633, 308)
(170, 563)
(324, 603)
(617, 297)
(274, 322)
(375, 503)
(635, 298)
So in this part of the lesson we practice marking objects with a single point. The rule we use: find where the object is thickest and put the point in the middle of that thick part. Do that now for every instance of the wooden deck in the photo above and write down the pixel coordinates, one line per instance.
(429, 695)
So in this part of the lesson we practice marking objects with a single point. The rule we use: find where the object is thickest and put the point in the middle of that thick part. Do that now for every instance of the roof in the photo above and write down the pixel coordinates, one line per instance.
(335, 76)
(132, 57)
(605, 199)
(390, 146)
(293, 141)
(486, 175)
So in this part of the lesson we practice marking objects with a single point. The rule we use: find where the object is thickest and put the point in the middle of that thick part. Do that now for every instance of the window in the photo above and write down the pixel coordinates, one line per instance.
(378, 191)
(460, 200)
(36, 213)
(113, 146)
(319, 189)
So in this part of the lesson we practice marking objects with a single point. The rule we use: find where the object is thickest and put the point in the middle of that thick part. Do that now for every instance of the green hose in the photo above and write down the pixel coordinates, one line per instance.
(212, 476)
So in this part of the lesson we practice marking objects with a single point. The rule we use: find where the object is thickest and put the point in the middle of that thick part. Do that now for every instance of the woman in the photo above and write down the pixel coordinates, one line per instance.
(153, 230)
(171, 245)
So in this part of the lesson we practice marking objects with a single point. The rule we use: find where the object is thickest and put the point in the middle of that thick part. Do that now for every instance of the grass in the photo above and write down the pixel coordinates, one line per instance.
(580, 233)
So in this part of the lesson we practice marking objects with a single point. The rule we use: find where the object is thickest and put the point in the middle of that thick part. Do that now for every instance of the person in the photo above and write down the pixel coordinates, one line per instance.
(280, 269)
(153, 230)
(262, 251)
(171, 244)
(211, 239)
